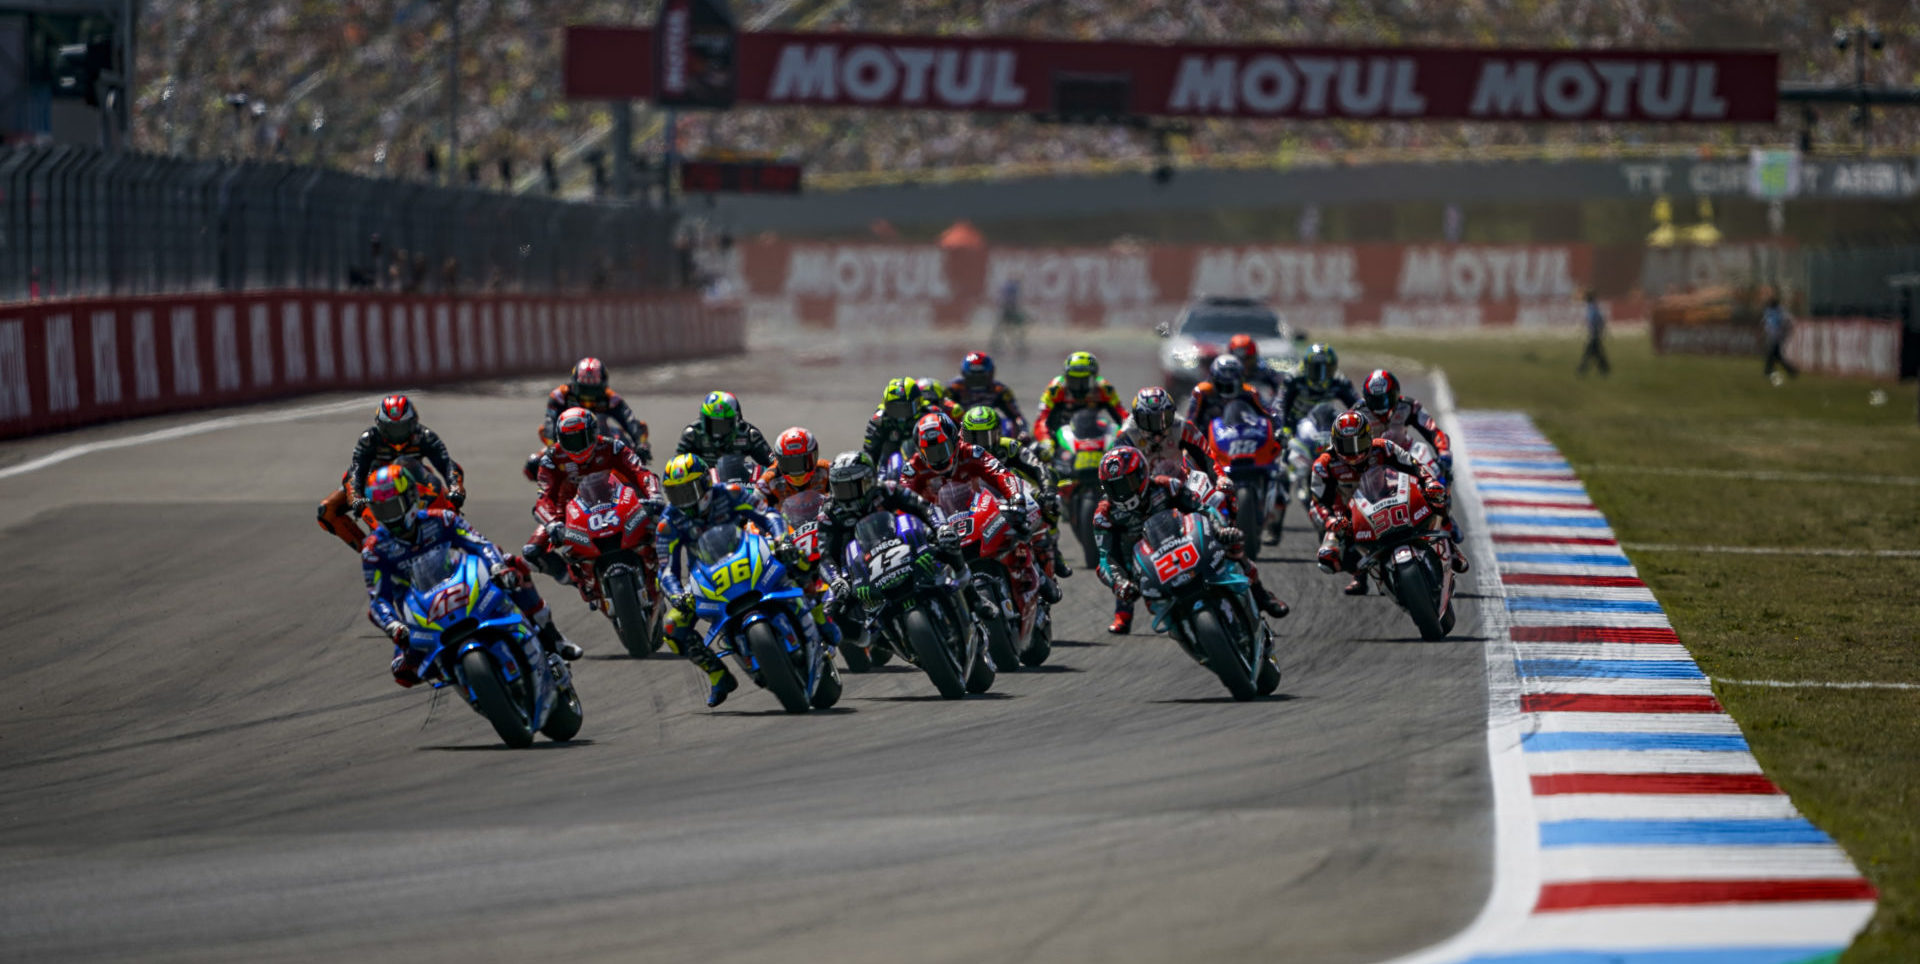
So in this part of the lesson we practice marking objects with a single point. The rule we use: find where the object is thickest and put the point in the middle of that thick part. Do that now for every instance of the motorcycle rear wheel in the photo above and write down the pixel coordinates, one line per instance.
(564, 720)
(935, 657)
(857, 659)
(490, 695)
(776, 668)
(1414, 588)
(1084, 505)
(631, 619)
(827, 691)
(1223, 657)
(1040, 643)
(1251, 518)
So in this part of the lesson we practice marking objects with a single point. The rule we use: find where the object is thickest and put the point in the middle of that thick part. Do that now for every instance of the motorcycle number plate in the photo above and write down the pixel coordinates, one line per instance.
(1245, 446)
(447, 601)
(891, 556)
(962, 526)
(1174, 560)
(1389, 517)
(603, 520)
(1086, 460)
(807, 540)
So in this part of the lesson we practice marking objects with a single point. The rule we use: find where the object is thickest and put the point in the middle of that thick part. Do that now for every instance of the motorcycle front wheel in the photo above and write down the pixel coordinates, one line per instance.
(1223, 657)
(934, 655)
(630, 617)
(491, 698)
(1413, 586)
(564, 721)
(776, 668)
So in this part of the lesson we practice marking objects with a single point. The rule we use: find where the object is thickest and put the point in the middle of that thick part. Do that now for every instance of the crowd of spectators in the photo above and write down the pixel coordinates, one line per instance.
(358, 84)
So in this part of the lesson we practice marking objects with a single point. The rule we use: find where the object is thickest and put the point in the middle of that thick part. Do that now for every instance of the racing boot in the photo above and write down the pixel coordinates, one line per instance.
(532, 469)
(1122, 622)
(1049, 589)
(553, 641)
(720, 680)
(1358, 587)
(1268, 602)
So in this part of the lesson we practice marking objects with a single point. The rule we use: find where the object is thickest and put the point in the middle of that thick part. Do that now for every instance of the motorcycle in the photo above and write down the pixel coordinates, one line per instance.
(801, 512)
(1406, 548)
(1078, 447)
(1201, 599)
(473, 637)
(735, 470)
(1003, 573)
(753, 609)
(915, 604)
(1243, 447)
(608, 548)
(1311, 437)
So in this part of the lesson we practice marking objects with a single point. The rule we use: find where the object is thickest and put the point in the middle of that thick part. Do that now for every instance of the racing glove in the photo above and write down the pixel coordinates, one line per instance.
(682, 607)
(1233, 540)
(1125, 591)
(1328, 557)
(358, 503)
(507, 576)
(1436, 494)
(458, 496)
(398, 632)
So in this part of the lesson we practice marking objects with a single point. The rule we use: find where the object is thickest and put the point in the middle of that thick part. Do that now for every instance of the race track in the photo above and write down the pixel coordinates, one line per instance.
(202, 757)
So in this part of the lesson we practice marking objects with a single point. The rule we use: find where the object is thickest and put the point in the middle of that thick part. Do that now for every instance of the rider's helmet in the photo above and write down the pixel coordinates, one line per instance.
(1153, 411)
(1380, 393)
(588, 383)
(686, 481)
(938, 439)
(1352, 437)
(1082, 368)
(1123, 476)
(575, 432)
(797, 456)
(931, 390)
(1228, 375)
(977, 371)
(720, 415)
(981, 426)
(397, 420)
(850, 479)
(392, 496)
(1242, 346)
(900, 401)
(1318, 367)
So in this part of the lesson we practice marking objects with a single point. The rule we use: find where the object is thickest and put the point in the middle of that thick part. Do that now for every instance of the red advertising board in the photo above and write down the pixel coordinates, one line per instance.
(70, 363)
(1003, 74)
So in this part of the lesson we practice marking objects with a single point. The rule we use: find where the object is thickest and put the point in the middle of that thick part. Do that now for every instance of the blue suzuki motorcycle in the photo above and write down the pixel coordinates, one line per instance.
(753, 607)
(1201, 599)
(476, 640)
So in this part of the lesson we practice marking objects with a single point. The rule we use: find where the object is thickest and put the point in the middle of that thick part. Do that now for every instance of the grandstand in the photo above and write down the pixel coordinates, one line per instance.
(358, 85)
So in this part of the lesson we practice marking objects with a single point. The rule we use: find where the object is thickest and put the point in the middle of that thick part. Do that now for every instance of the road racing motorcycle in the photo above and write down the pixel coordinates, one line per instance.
(915, 604)
(753, 605)
(1077, 449)
(1406, 547)
(473, 638)
(608, 547)
(1201, 599)
(1244, 448)
(1004, 574)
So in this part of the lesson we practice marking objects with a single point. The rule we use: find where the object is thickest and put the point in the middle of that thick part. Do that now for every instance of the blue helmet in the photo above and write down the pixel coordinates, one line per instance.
(977, 370)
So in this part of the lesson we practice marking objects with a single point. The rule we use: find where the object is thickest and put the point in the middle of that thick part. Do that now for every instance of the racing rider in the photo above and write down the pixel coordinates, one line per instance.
(977, 386)
(1078, 386)
(721, 431)
(1132, 497)
(1335, 474)
(405, 532)
(1319, 380)
(935, 393)
(943, 459)
(578, 451)
(981, 427)
(891, 427)
(1386, 409)
(854, 489)
(587, 388)
(396, 434)
(694, 505)
(1210, 400)
(1260, 374)
(797, 467)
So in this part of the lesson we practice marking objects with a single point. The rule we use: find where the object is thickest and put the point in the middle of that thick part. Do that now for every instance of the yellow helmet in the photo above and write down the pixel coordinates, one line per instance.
(901, 400)
(1082, 368)
(686, 481)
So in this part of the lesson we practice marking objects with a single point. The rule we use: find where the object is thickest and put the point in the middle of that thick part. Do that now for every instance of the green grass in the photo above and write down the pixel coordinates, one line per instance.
(1849, 758)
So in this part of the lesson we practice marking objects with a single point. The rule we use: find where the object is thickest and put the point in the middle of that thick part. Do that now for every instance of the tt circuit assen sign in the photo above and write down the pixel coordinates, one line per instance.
(1047, 77)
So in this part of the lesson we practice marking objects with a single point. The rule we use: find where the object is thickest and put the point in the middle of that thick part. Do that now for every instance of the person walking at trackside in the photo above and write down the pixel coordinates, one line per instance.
(1596, 353)
(1778, 325)
(1012, 327)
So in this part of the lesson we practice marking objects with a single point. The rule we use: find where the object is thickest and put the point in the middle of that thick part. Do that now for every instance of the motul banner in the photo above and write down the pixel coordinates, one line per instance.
(70, 363)
(1051, 77)
(1310, 286)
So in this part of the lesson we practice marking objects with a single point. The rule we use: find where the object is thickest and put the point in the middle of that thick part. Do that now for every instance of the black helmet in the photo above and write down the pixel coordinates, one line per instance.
(1319, 366)
(397, 419)
(851, 477)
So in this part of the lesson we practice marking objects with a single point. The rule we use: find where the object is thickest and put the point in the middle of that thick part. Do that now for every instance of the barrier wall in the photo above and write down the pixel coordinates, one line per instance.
(72, 363)
(1862, 347)
(1315, 286)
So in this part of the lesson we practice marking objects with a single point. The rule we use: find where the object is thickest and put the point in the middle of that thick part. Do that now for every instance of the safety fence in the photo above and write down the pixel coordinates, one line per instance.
(66, 364)
(81, 222)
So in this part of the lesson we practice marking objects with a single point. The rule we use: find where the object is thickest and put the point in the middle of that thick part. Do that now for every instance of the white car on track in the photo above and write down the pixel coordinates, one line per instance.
(1201, 332)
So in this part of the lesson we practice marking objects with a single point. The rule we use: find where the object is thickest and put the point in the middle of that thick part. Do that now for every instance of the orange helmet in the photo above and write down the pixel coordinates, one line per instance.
(796, 455)
(1241, 346)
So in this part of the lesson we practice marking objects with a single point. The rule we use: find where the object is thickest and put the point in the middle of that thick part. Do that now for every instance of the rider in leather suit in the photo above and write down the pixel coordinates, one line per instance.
(396, 434)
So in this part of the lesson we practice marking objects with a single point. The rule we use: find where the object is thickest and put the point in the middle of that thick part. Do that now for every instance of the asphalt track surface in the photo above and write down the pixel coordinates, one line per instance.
(202, 757)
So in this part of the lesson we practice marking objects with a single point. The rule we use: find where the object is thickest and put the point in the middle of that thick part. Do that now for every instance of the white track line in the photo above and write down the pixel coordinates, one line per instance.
(1749, 474)
(1814, 684)
(1771, 550)
(181, 431)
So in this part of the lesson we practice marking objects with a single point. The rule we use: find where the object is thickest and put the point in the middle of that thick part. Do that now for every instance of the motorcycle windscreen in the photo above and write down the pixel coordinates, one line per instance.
(597, 490)
(802, 507)
(717, 543)
(735, 469)
(876, 528)
(1379, 484)
(1163, 528)
(956, 498)
(433, 567)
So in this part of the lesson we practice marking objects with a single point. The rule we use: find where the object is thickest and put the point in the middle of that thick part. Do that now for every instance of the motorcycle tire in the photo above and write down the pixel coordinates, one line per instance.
(1268, 679)
(1084, 506)
(934, 655)
(1251, 518)
(631, 620)
(1000, 643)
(827, 691)
(1413, 586)
(491, 698)
(777, 671)
(1040, 643)
(879, 656)
(856, 657)
(564, 720)
(1223, 657)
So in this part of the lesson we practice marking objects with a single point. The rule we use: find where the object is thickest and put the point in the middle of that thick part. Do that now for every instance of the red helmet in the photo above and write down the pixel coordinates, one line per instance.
(1123, 476)
(589, 382)
(1381, 392)
(938, 439)
(397, 420)
(977, 370)
(575, 433)
(1241, 346)
(796, 455)
(1352, 436)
